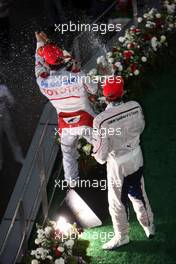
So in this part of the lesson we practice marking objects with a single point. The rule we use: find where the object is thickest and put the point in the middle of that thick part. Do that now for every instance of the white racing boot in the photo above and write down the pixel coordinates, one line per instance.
(149, 231)
(116, 242)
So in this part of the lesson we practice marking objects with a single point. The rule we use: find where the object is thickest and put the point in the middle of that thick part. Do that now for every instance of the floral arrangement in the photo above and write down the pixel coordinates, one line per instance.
(86, 160)
(138, 45)
(55, 244)
(84, 148)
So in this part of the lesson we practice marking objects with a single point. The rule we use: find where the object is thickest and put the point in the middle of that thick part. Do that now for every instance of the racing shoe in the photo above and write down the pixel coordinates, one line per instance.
(149, 231)
(116, 242)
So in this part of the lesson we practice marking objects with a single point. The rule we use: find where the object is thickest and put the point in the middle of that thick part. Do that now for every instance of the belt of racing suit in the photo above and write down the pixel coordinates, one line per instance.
(85, 119)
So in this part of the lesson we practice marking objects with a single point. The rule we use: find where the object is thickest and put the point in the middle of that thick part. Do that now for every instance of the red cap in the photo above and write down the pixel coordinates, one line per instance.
(51, 53)
(113, 88)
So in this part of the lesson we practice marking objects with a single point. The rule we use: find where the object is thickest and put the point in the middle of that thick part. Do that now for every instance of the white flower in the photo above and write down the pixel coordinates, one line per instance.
(79, 146)
(145, 15)
(40, 237)
(149, 22)
(92, 72)
(144, 59)
(87, 149)
(49, 257)
(163, 39)
(40, 253)
(109, 54)
(136, 72)
(120, 68)
(171, 25)
(60, 249)
(38, 241)
(34, 261)
(40, 250)
(140, 19)
(110, 60)
(101, 60)
(148, 25)
(158, 15)
(170, 9)
(54, 224)
(102, 99)
(154, 43)
(151, 12)
(33, 252)
(48, 230)
(40, 231)
(154, 38)
(121, 39)
(69, 243)
(117, 64)
(59, 261)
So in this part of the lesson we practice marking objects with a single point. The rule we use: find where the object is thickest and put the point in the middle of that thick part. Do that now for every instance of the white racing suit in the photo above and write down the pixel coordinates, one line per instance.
(68, 93)
(116, 141)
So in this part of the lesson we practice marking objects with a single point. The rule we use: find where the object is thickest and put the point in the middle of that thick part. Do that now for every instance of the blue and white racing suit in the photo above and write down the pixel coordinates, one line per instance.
(116, 140)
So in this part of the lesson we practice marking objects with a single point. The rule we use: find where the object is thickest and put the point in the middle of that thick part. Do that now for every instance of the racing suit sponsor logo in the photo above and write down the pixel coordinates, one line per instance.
(57, 81)
(44, 83)
(72, 120)
(61, 91)
(123, 117)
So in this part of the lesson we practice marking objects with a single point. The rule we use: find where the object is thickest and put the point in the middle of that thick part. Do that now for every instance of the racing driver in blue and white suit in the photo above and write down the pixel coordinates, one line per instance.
(116, 142)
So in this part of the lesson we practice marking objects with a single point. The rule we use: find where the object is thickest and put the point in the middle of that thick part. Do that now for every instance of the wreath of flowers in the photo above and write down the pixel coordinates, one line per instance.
(138, 45)
(55, 244)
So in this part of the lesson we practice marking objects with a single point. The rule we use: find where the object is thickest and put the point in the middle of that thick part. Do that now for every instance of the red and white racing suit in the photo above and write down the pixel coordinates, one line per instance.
(116, 139)
(68, 93)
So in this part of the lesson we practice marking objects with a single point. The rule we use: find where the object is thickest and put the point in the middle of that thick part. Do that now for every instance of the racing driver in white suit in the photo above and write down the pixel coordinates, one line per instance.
(116, 140)
(68, 90)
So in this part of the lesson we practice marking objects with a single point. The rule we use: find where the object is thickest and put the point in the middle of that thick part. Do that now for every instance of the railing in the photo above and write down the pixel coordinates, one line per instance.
(19, 213)
(20, 208)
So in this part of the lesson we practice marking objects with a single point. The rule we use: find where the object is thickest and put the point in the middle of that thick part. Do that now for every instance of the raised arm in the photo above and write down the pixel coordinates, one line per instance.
(41, 69)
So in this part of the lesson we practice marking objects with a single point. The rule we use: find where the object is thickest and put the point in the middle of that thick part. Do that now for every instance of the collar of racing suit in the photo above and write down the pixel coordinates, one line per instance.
(114, 104)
